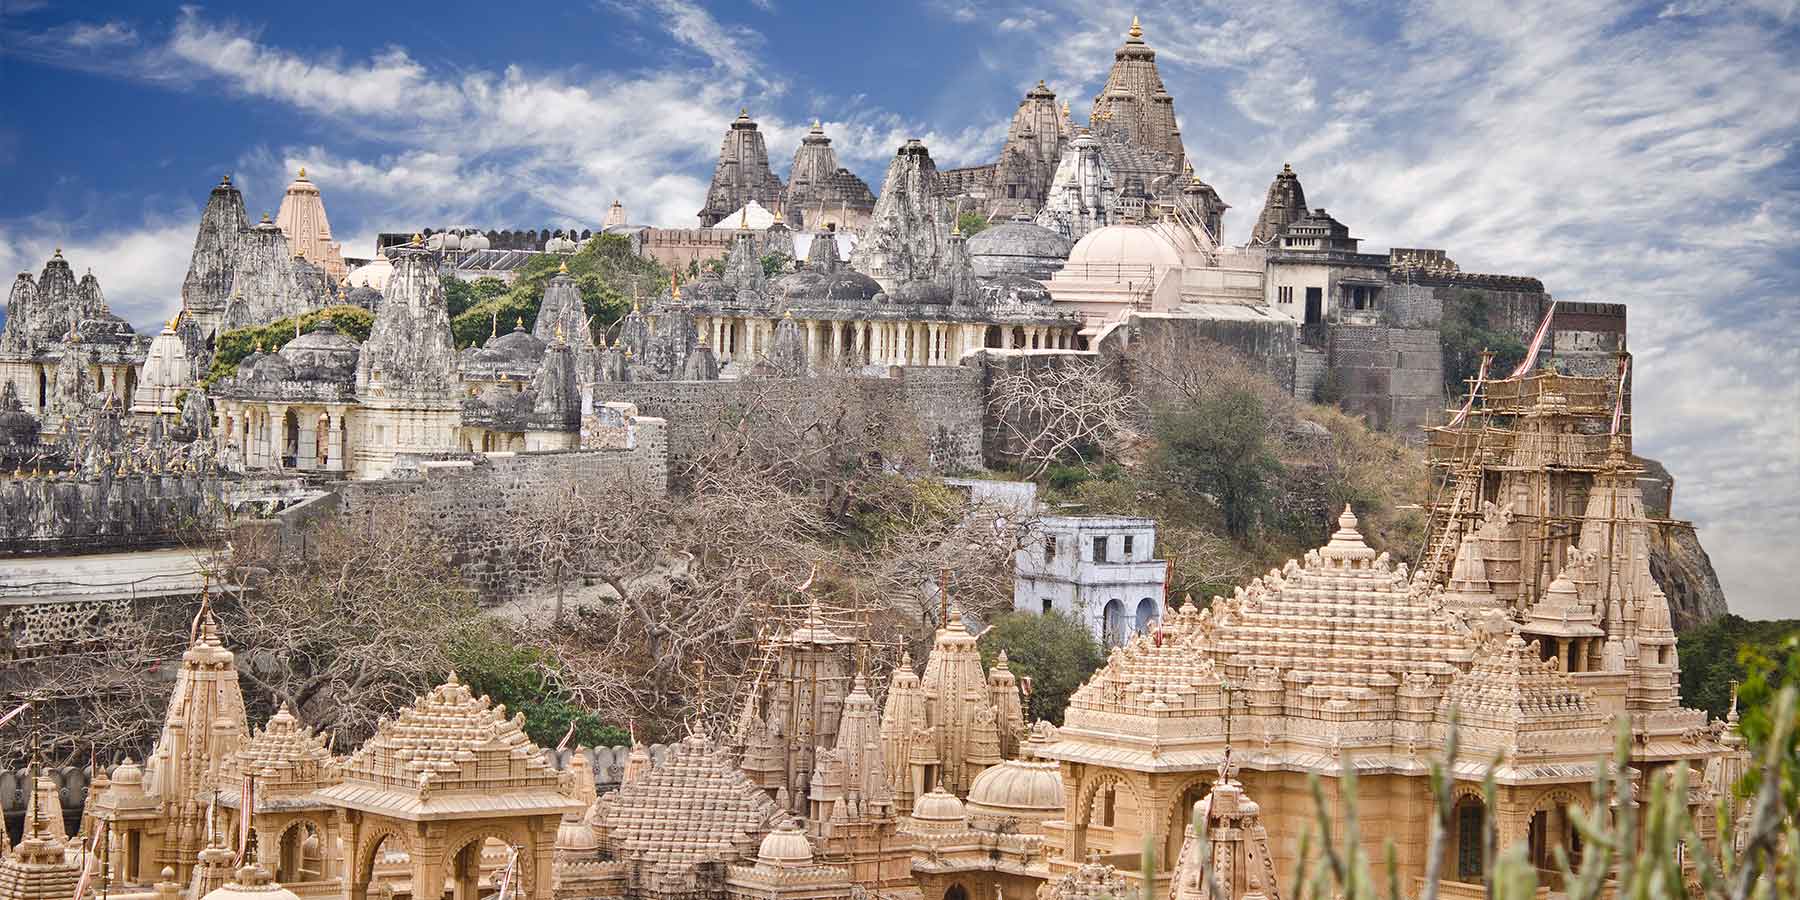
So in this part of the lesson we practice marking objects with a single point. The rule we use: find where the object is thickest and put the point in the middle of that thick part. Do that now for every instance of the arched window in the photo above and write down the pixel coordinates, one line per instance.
(1113, 629)
(1470, 822)
(1149, 612)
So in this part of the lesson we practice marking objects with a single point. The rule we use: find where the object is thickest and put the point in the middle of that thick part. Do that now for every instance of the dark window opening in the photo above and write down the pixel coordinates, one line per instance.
(1099, 549)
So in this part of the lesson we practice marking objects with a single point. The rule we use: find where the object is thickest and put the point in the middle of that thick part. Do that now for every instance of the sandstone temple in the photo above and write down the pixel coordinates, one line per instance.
(1539, 618)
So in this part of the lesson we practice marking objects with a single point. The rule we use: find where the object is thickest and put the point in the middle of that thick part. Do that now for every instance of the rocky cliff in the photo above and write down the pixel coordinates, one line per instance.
(1677, 561)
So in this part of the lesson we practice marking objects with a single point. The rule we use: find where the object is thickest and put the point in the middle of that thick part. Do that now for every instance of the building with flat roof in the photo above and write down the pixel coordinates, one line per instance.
(1099, 570)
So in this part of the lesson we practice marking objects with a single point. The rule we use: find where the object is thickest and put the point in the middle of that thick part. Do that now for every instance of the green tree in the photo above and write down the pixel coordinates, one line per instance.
(606, 272)
(1464, 333)
(528, 680)
(232, 346)
(1054, 650)
(774, 264)
(1217, 445)
(971, 223)
(459, 295)
(1718, 653)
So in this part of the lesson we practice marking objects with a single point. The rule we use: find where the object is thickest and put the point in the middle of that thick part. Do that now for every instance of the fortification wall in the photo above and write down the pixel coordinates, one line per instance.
(949, 400)
(466, 497)
(64, 514)
(1393, 377)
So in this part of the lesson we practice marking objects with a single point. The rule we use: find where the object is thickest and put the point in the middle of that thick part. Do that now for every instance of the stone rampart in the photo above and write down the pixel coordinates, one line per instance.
(1393, 377)
(466, 497)
(946, 399)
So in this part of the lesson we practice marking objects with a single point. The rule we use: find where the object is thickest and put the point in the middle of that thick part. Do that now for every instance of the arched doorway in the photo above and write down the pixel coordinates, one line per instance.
(1181, 815)
(1112, 623)
(956, 892)
(1552, 828)
(385, 858)
(300, 857)
(1149, 612)
(1468, 826)
(322, 440)
(290, 438)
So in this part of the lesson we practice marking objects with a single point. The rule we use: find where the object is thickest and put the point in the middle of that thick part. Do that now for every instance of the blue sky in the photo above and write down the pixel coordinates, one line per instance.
(1644, 153)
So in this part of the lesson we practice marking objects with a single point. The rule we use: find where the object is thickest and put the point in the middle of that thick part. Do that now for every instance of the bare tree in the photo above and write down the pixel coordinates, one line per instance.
(348, 631)
(1072, 410)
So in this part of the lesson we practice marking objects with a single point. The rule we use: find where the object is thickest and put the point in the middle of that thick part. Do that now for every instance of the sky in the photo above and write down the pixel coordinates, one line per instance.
(1644, 153)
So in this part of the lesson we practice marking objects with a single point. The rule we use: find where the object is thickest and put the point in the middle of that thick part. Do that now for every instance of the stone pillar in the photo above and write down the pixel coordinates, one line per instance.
(306, 450)
(812, 341)
(1006, 337)
(335, 440)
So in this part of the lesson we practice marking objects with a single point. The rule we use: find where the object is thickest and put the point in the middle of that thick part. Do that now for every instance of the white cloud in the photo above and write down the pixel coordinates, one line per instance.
(1617, 155)
(140, 268)
(109, 34)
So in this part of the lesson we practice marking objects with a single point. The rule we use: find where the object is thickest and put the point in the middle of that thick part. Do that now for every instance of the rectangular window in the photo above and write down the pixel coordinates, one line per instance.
(1099, 549)
(1050, 549)
(1469, 826)
(1047, 604)
(1127, 550)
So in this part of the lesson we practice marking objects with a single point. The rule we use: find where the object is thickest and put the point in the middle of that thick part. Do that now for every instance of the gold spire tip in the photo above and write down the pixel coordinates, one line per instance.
(1137, 31)
(302, 173)
(563, 269)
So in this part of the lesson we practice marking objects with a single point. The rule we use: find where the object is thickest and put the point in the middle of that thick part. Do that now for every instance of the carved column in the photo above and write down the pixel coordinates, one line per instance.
(306, 449)
(335, 440)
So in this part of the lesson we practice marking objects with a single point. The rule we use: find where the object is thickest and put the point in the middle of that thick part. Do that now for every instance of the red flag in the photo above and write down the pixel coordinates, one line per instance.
(1619, 401)
(1480, 378)
(1537, 343)
(247, 807)
(15, 713)
(89, 863)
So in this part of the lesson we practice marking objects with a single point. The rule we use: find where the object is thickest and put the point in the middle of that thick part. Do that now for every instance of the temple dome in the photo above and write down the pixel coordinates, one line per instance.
(1125, 246)
(1018, 248)
(252, 883)
(1018, 787)
(517, 345)
(575, 835)
(785, 847)
(940, 807)
(322, 354)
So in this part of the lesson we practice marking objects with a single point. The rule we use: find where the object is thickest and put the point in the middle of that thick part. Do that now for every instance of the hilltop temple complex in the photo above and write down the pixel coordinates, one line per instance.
(1538, 620)
(934, 787)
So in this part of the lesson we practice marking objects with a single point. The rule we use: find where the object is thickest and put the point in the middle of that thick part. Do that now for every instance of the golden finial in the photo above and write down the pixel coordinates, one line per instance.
(173, 319)
(789, 314)
(417, 237)
(744, 217)
(674, 290)
(58, 254)
(743, 112)
(817, 126)
(519, 323)
(563, 269)
(302, 173)
(1137, 31)
(559, 332)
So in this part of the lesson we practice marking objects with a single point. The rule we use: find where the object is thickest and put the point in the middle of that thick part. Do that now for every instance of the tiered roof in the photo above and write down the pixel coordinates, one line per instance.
(451, 755)
(1345, 616)
(285, 757)
(693, 807)
(36, 868)
(1510, 688)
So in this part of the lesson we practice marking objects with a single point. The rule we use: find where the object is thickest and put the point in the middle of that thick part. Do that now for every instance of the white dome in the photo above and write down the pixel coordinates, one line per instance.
(1018, 787)
(252, 883)
(1125, 245)
(785, 847)
(374, 275)
(938, 805)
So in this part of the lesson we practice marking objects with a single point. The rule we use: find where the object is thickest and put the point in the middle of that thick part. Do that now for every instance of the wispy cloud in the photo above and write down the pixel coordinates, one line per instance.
(108, 34)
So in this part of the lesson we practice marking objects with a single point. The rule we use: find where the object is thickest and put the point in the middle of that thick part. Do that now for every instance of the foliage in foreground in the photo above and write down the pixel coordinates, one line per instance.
(1628, 850)
(1054, 650)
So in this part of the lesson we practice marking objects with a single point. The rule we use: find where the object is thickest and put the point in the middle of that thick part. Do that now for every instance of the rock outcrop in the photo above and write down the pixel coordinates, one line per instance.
(1679, 564)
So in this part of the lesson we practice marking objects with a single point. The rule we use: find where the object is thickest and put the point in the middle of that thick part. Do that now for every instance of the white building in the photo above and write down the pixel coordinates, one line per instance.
(1100, 570)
